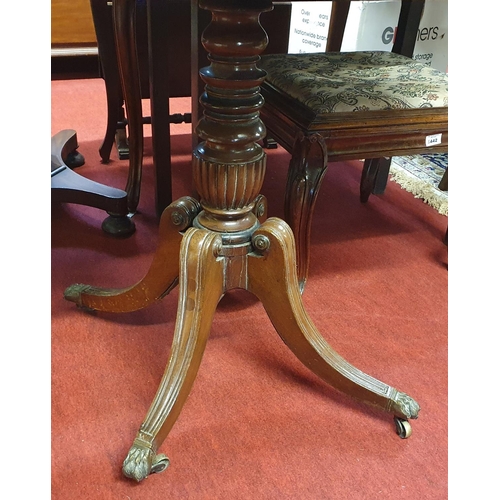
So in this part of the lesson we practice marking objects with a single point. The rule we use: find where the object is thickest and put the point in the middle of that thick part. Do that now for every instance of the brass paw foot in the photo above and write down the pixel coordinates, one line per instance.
(74, 293)
(406, 405)
(142, 461)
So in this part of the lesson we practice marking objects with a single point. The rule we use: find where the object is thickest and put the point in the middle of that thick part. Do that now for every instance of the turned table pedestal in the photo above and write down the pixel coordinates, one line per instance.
(224, 241)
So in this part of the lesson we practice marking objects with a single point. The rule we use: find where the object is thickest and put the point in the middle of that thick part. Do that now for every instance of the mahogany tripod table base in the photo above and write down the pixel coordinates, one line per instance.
(224, 242)
(206, 264)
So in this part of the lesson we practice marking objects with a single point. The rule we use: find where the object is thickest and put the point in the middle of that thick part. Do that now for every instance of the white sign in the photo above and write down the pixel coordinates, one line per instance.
(433, 140)
(431, 46)
(309, 27)
(372, 26)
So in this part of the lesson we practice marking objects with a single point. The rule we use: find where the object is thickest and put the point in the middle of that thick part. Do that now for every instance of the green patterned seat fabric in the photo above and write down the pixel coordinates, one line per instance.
(356, 81)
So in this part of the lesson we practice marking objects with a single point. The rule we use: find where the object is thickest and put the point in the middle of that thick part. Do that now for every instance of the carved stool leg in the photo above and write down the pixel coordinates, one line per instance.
(374, 177)
(273, 279)
(162, 274)
(370, 168)
(200, 289)
(305, 174)
(384, 166)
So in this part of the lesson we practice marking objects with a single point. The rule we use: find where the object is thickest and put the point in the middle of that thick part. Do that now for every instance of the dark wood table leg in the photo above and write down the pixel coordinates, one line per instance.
(69, 187)
(102, 15)
(228, 246)
(126, 48)
(159, 67)
(125, 37)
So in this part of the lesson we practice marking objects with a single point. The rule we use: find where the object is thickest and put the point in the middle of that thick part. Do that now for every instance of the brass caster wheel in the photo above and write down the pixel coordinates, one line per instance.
(403, 427)
(161, 462)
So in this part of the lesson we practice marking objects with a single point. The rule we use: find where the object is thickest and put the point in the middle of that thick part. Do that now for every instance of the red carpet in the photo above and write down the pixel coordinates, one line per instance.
(258, 424)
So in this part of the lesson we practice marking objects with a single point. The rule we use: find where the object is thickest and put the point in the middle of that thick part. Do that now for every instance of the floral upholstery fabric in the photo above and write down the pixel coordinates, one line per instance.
(356, 81)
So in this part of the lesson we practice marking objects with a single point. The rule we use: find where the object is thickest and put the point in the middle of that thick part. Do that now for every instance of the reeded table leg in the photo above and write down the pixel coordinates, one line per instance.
(161, 277)
(201, 286)
(262, 261)
(273, 279)
(124, 25)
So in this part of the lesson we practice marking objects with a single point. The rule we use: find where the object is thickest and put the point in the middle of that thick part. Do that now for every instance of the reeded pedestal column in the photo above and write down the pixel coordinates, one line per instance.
(229, 166)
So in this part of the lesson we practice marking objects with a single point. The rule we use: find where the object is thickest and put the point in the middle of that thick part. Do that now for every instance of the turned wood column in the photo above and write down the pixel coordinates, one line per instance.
(228, 165)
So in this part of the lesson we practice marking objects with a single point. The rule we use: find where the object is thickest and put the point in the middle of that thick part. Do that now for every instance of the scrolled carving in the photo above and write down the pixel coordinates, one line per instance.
(261, 243)
(183, 212)
(260, 208)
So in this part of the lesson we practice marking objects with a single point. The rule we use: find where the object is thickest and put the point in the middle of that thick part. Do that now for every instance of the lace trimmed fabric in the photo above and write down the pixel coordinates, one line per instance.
(356, 81)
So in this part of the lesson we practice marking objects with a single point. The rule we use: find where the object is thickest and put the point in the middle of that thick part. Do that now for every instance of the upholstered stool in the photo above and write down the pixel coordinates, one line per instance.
(369, 105)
